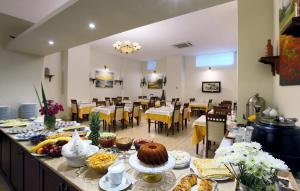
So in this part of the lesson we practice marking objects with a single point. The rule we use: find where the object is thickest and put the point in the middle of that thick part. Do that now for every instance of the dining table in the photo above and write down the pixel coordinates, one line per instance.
(164, 115)
(107, 113)
(85, 108)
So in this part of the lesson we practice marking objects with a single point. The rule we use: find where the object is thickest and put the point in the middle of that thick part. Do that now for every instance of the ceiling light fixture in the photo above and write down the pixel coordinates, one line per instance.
(127, 47)
(51, 42)
(92, 25)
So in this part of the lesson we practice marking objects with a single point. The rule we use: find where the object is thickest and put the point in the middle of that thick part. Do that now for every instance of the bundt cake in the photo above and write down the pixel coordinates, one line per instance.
(153, 154)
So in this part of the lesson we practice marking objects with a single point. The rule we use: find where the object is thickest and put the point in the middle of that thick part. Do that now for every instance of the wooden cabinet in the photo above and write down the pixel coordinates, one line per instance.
(5, 155)
(50, 181)
(31, 173)
(16, 170)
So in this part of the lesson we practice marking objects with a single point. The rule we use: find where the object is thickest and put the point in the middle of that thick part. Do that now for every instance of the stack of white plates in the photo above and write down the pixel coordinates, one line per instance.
(3, 112)
(27, 110)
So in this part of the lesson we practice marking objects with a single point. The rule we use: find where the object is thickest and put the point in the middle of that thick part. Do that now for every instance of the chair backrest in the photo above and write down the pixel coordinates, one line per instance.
(125, 98)
(226, 105)
(119, 99)
(220, 110)
(192, 99)
(226, 102)
(136, 109)
(176, 114)
(163, 103)
(101, 103)
(114, 101)
(177, 103)
(144, 97)
(177, 99)
(215, 127)
(119, 112)
(185, 110)
(209, 105)
(107, 98)
(74, 106)
(95, 100)
(140, 97)
(151, 103)
(107, 102)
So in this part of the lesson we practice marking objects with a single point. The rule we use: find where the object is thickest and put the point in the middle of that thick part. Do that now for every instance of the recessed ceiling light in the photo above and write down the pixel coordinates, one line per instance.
(51, 42)
(92, 25)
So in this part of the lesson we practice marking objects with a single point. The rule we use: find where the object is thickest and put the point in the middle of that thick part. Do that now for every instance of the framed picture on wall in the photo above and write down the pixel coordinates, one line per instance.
(155, 81)
(104, 78)
(211, 87)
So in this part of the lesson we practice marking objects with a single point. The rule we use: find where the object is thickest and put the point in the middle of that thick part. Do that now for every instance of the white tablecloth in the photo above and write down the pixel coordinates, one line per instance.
(109, 109)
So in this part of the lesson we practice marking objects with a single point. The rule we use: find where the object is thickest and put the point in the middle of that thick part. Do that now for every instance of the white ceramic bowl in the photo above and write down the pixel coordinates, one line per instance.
(80, 161)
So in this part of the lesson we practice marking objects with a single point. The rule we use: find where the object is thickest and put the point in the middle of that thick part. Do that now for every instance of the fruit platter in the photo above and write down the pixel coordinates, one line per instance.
(50, 147)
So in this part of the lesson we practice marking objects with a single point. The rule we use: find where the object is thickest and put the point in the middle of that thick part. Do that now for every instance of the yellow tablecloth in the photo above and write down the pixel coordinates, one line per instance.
(84, 111)
(198, 106)
(108, 118)
(198, 134)
(165, 118)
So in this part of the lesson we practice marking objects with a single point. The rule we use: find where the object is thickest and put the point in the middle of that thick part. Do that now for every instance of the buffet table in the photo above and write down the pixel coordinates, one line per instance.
(50, 174)
(29, 173)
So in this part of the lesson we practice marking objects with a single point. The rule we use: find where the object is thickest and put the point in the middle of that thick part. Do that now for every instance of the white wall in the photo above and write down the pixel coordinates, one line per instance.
(255, 27)
(194, 77)
(78, 73)
(18, 74)
(53, 88)
(184, 79)
(286, 98)
(129, 70)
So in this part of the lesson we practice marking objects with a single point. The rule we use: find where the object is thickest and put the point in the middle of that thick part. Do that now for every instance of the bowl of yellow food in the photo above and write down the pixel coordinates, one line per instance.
(101, 161)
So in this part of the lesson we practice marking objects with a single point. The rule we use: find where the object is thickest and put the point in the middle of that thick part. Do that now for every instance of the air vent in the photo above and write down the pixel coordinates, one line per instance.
(183, 45)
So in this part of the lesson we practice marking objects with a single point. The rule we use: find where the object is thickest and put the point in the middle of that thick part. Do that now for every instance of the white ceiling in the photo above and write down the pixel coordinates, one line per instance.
(210, 30)
(67, 26)
(30, 10)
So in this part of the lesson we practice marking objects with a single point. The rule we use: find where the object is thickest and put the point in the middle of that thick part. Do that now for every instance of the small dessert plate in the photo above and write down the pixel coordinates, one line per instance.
(105, 183)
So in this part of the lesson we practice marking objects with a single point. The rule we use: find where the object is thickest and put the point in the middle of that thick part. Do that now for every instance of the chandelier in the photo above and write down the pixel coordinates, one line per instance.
(127, 47)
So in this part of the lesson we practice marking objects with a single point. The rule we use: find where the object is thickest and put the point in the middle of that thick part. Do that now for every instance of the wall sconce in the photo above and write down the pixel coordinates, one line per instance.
(165, 80)
(47, 74)
(120, 81)
(93, 80)
(143, 82)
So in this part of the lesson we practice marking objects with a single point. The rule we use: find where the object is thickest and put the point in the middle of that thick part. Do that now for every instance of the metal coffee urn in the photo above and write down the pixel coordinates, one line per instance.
(280, 137)
(255, 105)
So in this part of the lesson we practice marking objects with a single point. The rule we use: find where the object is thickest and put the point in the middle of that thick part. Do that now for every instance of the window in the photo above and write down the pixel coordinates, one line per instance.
(151, 65)
(221, 59)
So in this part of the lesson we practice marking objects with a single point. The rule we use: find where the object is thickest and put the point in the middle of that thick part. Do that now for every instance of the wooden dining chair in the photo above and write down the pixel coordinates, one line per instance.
(144, 97)
(221, 110)
(175, 120)
(100, 103)
(151, 103)
(209, 105)
(135, 113)
(107, 102)
(118, 116)
(184, 114)
(114, 100)
(107, 98)
(140, 97)
(192, 99)
(74, 110)
(215, 129)
(173, 101)
(126, 98)
(163, 103)
(95, 100)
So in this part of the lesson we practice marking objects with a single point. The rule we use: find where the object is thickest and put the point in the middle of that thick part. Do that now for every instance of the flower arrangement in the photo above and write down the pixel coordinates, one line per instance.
(251, 166)
(49, 109)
